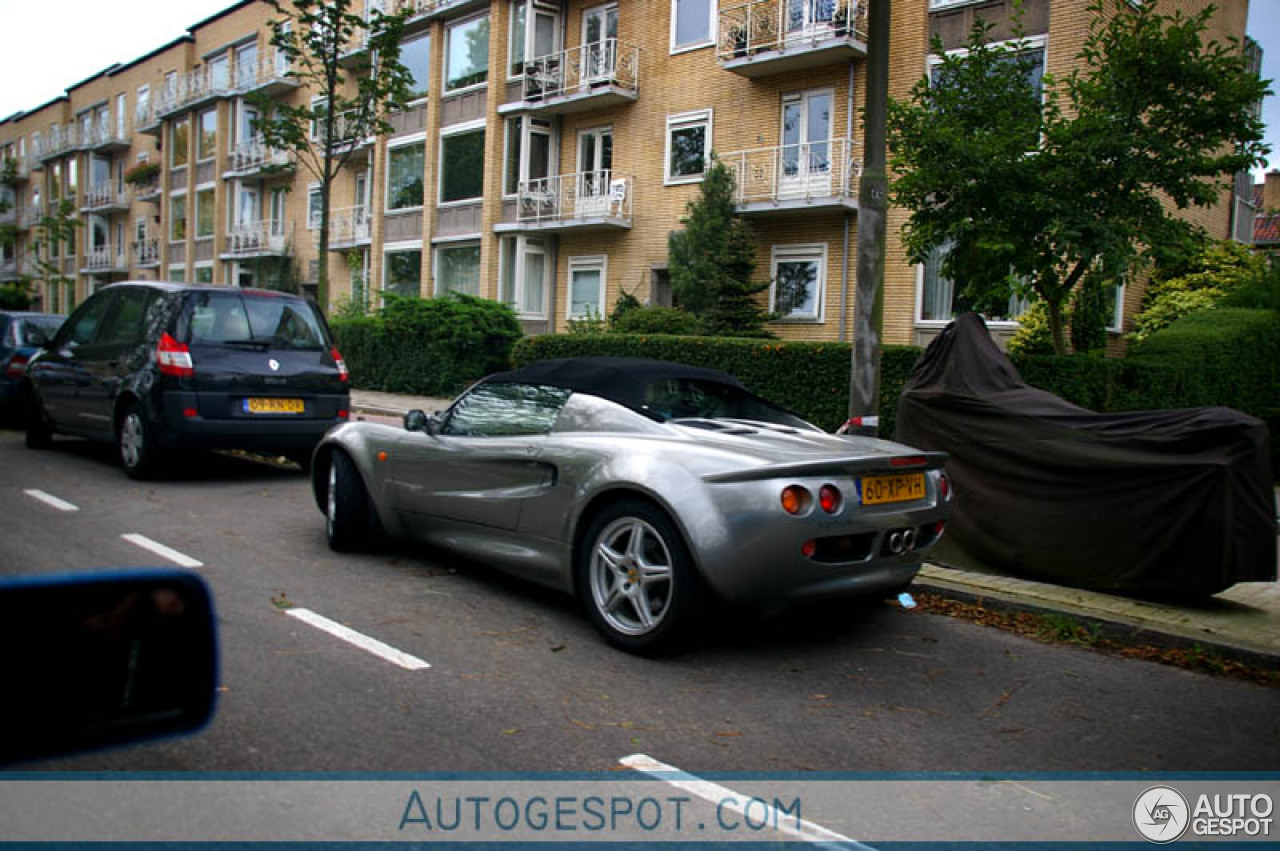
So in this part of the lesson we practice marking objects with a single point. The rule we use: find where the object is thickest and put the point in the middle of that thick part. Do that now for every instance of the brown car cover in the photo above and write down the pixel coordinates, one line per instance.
(1170, 502)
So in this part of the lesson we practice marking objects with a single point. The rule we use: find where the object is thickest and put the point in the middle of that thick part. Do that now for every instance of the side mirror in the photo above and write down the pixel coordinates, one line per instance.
(417, 420)
(102, 659)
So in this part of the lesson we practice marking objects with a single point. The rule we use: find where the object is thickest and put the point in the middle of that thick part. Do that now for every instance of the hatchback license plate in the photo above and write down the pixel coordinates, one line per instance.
(877, 490)
(273, 406)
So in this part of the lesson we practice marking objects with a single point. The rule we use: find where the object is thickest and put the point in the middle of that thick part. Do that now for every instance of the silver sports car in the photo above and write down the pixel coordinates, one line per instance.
(640, 486)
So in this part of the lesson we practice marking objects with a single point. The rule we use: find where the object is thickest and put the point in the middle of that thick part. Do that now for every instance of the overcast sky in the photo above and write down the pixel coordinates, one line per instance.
(52, 44)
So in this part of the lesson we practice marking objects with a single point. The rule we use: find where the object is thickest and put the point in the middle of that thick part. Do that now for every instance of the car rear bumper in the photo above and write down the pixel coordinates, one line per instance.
(181, 425)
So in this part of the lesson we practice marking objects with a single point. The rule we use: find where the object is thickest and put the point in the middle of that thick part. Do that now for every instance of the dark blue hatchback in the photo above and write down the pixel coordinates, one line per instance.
(21, 335)
(154, 367)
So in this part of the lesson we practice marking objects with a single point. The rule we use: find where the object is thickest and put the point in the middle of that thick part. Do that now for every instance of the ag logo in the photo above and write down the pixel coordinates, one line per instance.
(1161, 814)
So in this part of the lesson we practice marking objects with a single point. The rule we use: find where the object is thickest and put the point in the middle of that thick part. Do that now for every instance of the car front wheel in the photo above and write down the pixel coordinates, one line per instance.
(347, 507)
(137, 443)
(637, 579)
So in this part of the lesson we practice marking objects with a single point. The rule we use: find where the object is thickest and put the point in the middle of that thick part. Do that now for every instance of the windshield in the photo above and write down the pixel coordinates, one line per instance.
(275, 321)
(34, 330)
(687, 398)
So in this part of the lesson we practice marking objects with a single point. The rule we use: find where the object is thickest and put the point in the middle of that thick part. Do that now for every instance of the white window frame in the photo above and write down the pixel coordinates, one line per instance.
(522, 246)
(448, 41)
(186, 215)
(580, 262)
(193, 213)
(313, 220)
(422, 96)
(545, 127)
(399, 248)
(445, 246)
(1117, 325)
(180, 268)
(197, 266)
(811, 251)
(415, 139)
(680, 121)
(992, 322)
(457, 130)
(712, 26)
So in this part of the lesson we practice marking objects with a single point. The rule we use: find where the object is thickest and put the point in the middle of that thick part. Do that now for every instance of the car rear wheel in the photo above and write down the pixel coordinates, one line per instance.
(137, 443)
(39, 429)
(636, 577)
(347, 507)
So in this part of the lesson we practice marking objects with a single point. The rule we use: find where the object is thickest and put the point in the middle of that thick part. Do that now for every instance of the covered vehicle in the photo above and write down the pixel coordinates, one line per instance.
(1169, 502)
(638, 485)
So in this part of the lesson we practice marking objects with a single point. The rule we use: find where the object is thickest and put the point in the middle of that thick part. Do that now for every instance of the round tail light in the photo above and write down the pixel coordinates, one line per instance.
(830, 499)
(795, 499)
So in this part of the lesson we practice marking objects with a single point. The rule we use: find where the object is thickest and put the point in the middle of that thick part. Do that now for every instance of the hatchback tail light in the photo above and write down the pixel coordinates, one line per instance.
(17, 366)
(174, 358)
(343, 375)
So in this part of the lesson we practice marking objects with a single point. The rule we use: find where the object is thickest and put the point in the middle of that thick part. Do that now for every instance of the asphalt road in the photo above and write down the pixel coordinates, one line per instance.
(518, 680)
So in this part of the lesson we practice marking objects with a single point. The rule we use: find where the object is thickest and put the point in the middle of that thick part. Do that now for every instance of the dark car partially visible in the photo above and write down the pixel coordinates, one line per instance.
(157, 366)
(21, 335)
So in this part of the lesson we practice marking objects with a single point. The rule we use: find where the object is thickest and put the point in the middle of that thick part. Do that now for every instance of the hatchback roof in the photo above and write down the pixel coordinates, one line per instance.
(171, 286)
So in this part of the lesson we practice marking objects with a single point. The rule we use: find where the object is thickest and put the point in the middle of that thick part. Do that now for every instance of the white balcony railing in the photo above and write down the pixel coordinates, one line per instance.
(581, 69)
(802, 172)
(105, 195)
(62, 139)
(193, 87)
(105, 133)
(271, 68)
(253, 155)
(569, 198)
(348, 227)
(268, 237)
(105, 258)
(146, 252)
(761, 25)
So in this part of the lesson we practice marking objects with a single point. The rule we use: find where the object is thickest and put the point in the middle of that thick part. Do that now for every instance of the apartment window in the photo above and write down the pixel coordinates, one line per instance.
(1115, 321)
(462, 166)
(177, 274)
(405, 185)
(415, 55)
(799, 281)
(142, 107)
(533, 42)
(207, 142)
(688, 146)
(940, 301)
(586, 287)
(204, 213)
(276, 206)
(179, 142)
(458, 268)
(72, 177)
(55, 184)
(467, 53)
(692, 24)
(121, 118)
(522, 276)
(247, 64)
(1031, 50)
(402, 271)
(220, 72)
(177, 218)
(315, 206)
(203, 274)
(529, 147)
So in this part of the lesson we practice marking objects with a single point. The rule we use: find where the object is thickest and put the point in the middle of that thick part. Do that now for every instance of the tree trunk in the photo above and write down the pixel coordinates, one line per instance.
(1055, 327)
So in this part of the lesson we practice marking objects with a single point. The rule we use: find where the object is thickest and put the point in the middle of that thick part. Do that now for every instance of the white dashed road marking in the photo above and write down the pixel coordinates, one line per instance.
(724, 797)
(364, 642)
(161, 550)
(51, 500)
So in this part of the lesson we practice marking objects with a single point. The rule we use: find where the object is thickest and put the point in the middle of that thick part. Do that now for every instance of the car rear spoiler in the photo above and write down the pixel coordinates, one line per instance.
(835, 466)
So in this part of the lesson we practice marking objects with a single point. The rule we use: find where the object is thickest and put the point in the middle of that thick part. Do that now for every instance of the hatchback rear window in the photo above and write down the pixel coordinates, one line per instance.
(274, 321)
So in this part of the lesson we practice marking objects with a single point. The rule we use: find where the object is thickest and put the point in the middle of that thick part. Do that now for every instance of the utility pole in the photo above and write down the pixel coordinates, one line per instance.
(868, 316)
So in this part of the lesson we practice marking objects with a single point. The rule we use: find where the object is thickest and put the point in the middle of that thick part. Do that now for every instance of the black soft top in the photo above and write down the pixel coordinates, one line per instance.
(621, 380)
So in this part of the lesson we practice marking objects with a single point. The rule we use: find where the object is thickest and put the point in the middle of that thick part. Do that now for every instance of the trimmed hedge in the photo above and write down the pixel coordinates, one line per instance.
(428, 347)
(811, 379)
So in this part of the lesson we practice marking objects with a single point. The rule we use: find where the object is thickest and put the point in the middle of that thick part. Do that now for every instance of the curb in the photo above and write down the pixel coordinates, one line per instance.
(1108, 626)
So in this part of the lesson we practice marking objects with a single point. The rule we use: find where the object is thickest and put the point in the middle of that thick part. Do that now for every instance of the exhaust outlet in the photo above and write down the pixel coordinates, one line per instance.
(900, 541)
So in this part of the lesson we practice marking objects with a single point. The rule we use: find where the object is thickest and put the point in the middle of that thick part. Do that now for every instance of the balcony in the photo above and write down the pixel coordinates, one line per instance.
(349, 227)
(193, 89)
(587, 201)
(269, 75)
(266, 238)
(31, 216)
(422, 12)
(146, 253)
(803, 178)
(105, 198)
(62, 139)
(766, 37)
(104, 260)
(147, 120)
(15, 171)
(592, 76)
(148, 191)
(106, 137)
(252, 157)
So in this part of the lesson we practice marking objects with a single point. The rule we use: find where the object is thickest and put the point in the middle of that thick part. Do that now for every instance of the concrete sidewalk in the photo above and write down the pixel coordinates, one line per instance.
(1242, 622)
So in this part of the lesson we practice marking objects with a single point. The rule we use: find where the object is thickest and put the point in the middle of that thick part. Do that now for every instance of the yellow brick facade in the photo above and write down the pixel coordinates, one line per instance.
(625, 226)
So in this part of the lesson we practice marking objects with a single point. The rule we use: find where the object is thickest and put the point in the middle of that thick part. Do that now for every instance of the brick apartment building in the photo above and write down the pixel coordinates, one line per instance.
(552, 149)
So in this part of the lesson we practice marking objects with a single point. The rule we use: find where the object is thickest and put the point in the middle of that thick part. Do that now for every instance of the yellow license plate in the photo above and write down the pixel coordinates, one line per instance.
(274, 406)
(877, 490)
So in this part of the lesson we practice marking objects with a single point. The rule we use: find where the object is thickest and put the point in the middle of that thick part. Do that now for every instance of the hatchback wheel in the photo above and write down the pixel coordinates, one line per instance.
(347, 508)
(636, 577)
(39, 429)
(137, 443)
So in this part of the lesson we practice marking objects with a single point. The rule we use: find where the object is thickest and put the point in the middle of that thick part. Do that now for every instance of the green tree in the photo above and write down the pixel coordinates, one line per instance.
(317, 38)
(1032, 194)
(58, 227)
(712, 261)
